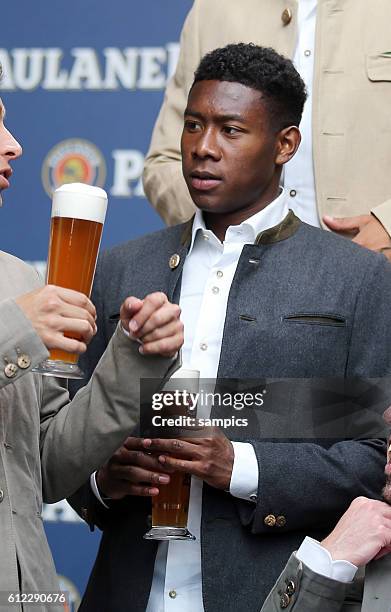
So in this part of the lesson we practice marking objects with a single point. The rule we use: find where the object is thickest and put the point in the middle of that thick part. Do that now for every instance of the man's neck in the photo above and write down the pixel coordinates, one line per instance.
(218, 223)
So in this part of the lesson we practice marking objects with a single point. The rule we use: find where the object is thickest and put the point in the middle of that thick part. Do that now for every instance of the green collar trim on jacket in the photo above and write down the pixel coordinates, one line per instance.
(287, 228)
(282, 231)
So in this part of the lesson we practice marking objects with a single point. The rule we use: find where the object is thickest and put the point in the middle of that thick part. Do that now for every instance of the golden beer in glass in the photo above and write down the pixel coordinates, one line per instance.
(78, 214)
(170, 508)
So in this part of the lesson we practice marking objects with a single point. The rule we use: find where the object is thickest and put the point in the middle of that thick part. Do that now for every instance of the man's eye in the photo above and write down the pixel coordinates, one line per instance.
(192, 126)
(231, 131)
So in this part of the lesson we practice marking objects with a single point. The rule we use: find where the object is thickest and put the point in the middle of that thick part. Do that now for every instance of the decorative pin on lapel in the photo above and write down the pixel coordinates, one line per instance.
(174, 261)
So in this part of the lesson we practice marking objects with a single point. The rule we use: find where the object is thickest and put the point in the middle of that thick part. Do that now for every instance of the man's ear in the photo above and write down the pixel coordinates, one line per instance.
(288, 141)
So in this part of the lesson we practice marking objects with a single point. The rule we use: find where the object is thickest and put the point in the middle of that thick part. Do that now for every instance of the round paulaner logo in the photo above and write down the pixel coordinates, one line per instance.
(73, 161)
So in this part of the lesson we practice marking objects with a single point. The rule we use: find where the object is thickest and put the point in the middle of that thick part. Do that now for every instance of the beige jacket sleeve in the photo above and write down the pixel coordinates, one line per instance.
(78, 437)
(299, 589)
(164, 184)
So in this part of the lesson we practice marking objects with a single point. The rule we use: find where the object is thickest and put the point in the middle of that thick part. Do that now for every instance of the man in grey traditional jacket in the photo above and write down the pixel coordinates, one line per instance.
(48, 445)
(263, 295)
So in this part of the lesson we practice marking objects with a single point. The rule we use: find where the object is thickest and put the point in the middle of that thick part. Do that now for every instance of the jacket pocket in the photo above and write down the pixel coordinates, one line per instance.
(379, 67)
(310, 318)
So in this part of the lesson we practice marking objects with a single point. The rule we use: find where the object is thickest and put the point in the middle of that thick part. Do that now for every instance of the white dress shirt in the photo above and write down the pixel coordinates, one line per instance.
(177, 583)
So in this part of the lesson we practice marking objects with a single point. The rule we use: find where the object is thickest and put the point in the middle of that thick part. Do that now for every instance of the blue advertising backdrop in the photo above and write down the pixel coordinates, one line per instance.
(83, 82)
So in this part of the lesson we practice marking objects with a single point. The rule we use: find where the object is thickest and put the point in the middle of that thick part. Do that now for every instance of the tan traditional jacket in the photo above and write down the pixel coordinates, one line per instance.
(351, 99)
(49, 447)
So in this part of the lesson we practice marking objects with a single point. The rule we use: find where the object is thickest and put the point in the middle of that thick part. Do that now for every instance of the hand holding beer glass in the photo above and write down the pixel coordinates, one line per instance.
(170, 508)
(78, 214)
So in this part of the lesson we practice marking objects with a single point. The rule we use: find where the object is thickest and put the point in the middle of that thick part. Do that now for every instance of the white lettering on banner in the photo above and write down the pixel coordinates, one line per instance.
(143, 68)
(128, 166)
(85, 69)
(121, 67)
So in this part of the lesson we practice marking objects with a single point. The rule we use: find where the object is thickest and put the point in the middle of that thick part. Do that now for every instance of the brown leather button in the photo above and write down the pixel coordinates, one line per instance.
(10, 370)
(270, 520)
(290, 587)
(285, 600)
(281, 521)
(174, 261)
(286, 16)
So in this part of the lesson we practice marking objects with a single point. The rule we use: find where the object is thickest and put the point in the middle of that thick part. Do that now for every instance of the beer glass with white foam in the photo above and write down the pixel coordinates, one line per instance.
(78, 214)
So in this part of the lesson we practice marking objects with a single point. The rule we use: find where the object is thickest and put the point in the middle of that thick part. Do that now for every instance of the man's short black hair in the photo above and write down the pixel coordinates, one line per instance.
(283, 90)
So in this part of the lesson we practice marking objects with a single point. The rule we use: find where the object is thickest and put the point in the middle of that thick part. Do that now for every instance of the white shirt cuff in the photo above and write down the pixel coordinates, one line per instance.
(319, 560)
(95, 490)
(244, 478)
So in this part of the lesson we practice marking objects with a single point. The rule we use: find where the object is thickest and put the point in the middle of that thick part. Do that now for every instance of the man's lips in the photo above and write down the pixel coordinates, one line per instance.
(204, 181)
(4, 183)
(4, 176)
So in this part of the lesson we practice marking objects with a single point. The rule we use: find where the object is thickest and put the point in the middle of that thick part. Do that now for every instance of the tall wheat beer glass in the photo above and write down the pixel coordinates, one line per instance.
(170, 508)
(78, 214)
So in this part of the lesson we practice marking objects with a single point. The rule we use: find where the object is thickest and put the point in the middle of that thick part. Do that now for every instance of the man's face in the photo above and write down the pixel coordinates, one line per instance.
(9, 149)
(229, 148)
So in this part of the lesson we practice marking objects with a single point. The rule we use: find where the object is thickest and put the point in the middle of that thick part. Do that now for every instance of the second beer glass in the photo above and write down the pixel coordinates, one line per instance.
(170, 508)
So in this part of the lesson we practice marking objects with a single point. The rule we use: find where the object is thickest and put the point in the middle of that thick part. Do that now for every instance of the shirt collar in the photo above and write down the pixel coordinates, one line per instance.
(249, 229)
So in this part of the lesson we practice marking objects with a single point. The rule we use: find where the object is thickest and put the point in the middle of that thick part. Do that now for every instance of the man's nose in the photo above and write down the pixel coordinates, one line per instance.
(206, 145)
(9, 146)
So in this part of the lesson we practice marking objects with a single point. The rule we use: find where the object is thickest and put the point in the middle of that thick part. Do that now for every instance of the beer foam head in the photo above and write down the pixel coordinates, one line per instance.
(80, 201)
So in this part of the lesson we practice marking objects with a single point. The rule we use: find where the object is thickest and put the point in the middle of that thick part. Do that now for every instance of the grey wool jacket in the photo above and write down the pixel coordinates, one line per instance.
(303, 304)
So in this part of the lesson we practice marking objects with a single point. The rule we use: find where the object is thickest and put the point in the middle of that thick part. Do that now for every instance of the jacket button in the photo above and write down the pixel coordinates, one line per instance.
(270, 520)
(174, 261)
(284, 601)
(24, 361)
(286, 16)
(290, 587)
(281, 521)
(1, 495)
(10, 370)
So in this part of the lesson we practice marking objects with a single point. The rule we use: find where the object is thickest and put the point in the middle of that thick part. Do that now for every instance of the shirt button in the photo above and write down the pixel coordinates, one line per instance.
(203, 346)
(205, 236)
(172, 594)
(293, 193)
(219, 274)
(215, 290)
(1, 495)
(307, 52)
